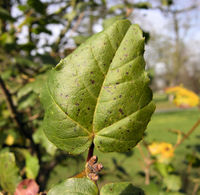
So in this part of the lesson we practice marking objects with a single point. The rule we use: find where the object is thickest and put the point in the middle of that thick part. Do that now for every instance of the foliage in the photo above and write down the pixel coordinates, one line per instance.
(34, 36)
(9, 173)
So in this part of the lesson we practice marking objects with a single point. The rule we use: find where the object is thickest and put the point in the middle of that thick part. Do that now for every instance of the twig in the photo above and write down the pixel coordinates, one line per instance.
(78, 22)
(90, 152)
(16, 116)
(10, 105)
(187, 134)
(148, 162)
(196, 187)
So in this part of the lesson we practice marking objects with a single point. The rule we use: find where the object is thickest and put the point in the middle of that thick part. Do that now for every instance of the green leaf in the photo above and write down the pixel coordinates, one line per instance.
(121, 188)
(34, 86)
(80, 39)
(4, 14)
(27, 101)
(75, 186)
(9, 173)
(171, 193)
(151, 189)
(37, 5)
(32, 166)
(100, 93)
(143, 5)
(163, 169)
(172, 182)
(167, 2)
(109, 21)
(40, 138)
(31, 163)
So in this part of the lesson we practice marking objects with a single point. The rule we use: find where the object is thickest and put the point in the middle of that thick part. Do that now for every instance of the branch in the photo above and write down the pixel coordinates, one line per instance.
(78, 22)
(10, 105)
(16, 116)
(147, 161)
(187, 134)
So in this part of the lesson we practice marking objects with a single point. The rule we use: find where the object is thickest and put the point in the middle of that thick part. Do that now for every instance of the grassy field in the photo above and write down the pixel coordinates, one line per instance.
(128, 166)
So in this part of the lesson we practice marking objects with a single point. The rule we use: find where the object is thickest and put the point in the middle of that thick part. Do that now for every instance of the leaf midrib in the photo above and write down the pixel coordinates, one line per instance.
(98, 97)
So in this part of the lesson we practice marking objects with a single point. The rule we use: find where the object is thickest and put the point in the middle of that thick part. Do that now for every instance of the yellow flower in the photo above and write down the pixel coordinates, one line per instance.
(154, 148)
(183, 97)
(167, 150)
(162, 150)
(9, 140)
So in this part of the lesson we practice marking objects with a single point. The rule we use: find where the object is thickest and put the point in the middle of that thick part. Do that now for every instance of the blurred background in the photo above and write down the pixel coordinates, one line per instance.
(36, 34)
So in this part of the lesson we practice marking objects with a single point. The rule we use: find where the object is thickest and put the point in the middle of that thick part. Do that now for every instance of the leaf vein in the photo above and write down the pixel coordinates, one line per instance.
(65, 113)
(104, 81)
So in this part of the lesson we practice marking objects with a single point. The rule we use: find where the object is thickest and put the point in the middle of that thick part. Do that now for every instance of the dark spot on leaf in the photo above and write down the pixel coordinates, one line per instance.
(117, 83)
(61, 94)
(66, 113)
(126, 55)
(81, 99)
(88, 108)
(66, 96)
(126, 73)
(124, 48)
(104, 64)
(114, 98)
(79, 109)
(121, 111)
(90, 122)
(91, 72)
(77, 104)
(100, 142)
(120, 96)
(120, 128)
(128, 130)
(92, 81)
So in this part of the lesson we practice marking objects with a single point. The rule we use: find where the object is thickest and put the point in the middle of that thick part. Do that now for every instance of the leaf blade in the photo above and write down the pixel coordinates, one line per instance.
(75, 186)
(9, 173)
(77, 88)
